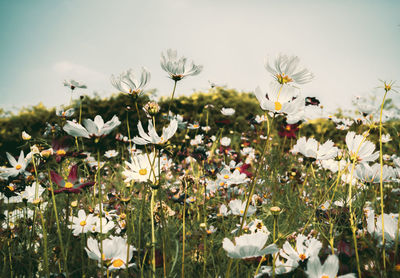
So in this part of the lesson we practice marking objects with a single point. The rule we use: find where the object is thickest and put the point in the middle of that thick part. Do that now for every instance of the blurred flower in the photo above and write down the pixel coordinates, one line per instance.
(312, 149)
(72, 84)
(128, 83)
(288, 131)
(152, 137)
(281, 267)
(372, 174)
(26, 136)
(96, 128)
(227, 111)
(64, 114)
(286, 70)
(386, 138)
(328, 270)
(225, 141)
(248, 246)
(51, 129)
(111, 153)
(389, 226)
(151, 108)
(238, 207)
(176, 68)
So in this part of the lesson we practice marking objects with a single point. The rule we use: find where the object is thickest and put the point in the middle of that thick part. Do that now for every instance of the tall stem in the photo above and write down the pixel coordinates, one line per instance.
(381, 182)
(172, 97)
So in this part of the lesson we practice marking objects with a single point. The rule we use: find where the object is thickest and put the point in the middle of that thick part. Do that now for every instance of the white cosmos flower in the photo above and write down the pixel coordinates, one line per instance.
(386, 138)
(225, 141)
(328, 270)
(72, 84)
(286, 70)
(127, 82)
(281, 267)
(177, 68)
(248, 246)
(361, 148)
(96, 128)
(30, 191)
(227, 111)
(152, 137)
(305, 248)
(83, 223)
(60, 112)
(116, 252)
(223, 211)
(140, 169)
(372, 174)
(333, 165)
(238, 207)
(111, 153)
(18, 167)
(257, 226)
(280, 99)
(375, 227)
(104, 227)
(312, 149)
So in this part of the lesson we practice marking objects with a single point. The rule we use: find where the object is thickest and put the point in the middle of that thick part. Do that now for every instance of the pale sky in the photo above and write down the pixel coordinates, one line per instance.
(348, 45)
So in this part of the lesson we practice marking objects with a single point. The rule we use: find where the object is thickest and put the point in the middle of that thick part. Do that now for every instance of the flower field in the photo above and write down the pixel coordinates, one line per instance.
(265, 185)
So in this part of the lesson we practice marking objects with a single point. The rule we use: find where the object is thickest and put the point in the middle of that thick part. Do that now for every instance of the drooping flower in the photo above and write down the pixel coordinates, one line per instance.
(328, 270)
(72, 184)
(360, 149)
(126, 82)
(177, 68)
(96, 128)
(248, 246)
(116, 252)
(281, 267)
(152, 137)
(286, 70)
(312, 149)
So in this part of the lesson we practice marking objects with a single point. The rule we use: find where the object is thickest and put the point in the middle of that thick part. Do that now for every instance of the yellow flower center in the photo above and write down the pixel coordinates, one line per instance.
(237, 168)
(283, 79)
(221, 183)
(117, 263)
(259, 225)
(142, 172)
(241, 211)
(324, 276)
(278, 106)
(11, 187)
(68, 185)
(195, 125)
(287, 127)
(226, 177)
(19, 166)
(302, 257)
(61, 152)
(397, 267)
(82, 223)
